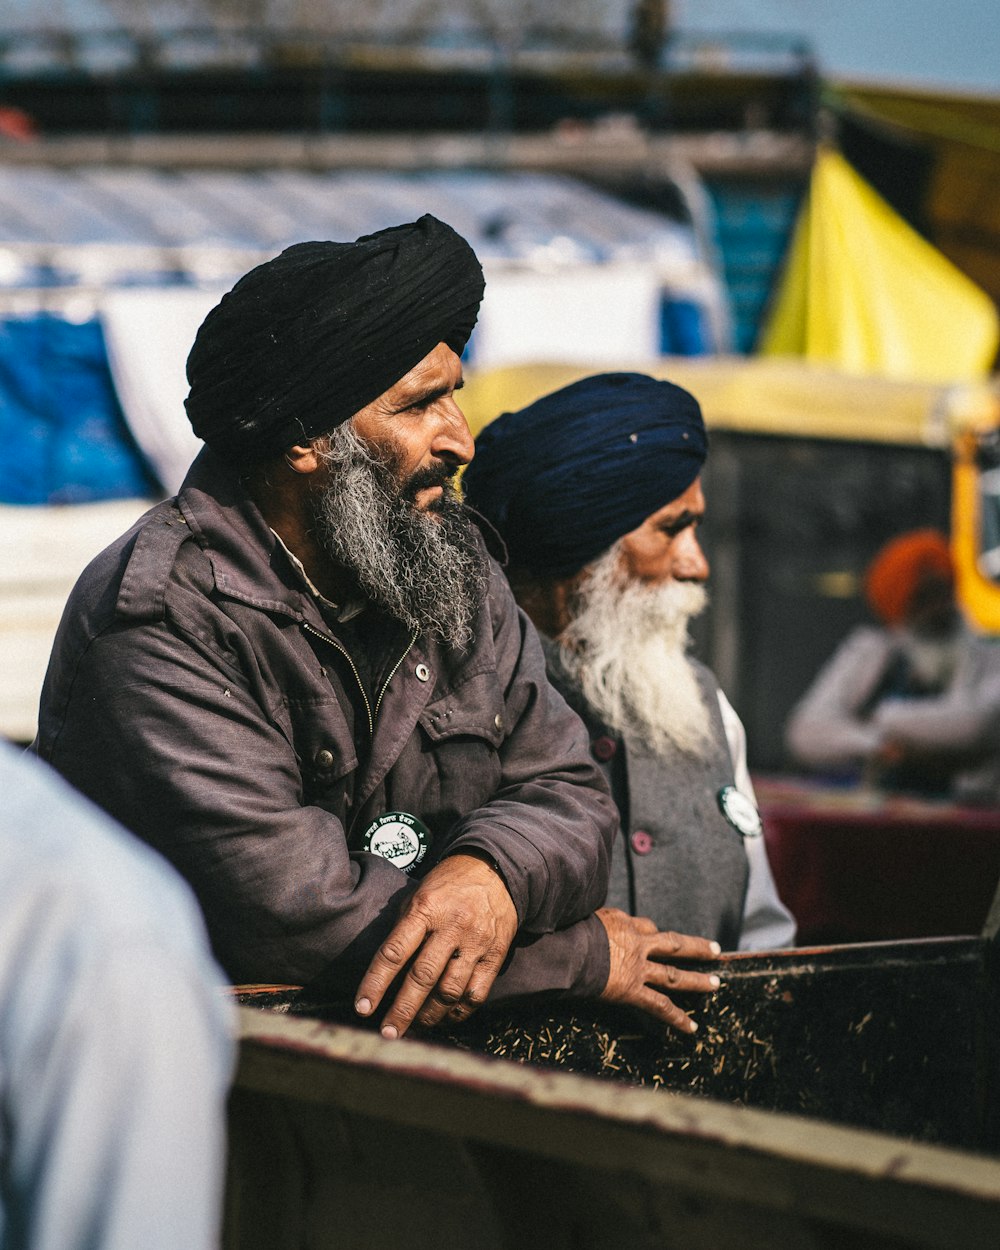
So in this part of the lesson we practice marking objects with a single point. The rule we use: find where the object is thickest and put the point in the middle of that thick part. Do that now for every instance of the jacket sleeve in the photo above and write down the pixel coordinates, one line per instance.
(825, 729)
(964, 720)
(551, 823)
(569, 963)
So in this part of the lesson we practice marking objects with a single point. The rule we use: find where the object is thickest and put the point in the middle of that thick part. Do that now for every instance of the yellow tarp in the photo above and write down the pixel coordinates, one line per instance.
(865, 292)
(765, 396)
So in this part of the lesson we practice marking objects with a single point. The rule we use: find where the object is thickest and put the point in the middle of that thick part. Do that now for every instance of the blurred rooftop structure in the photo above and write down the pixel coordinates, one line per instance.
(153, 76)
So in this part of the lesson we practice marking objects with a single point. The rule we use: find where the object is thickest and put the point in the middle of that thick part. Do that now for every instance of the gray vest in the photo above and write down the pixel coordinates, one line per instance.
(678, 860)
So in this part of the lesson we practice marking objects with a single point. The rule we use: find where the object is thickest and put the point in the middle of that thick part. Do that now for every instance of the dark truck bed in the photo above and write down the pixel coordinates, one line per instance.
(833, 1097)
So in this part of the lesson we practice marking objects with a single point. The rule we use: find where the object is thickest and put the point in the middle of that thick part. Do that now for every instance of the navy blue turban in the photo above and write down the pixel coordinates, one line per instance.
(563, 479)
(306, 340)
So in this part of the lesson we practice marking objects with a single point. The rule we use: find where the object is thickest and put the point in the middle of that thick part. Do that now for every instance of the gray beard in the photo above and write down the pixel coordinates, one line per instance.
(626, 647)
(425, 569)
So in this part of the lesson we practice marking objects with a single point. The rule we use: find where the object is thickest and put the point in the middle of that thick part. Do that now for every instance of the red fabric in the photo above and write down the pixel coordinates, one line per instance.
(899, 568)
(903, 869)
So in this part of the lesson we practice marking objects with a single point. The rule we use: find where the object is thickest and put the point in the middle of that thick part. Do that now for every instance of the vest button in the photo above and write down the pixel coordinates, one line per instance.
(641, 842)
(603, 748)
(324, 758)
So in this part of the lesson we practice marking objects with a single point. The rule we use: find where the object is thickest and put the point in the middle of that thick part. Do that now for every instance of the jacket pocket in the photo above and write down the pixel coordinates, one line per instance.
(462, 733)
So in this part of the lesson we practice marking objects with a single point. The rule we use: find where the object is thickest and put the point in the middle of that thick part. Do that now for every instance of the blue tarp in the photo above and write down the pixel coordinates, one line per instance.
(61, 426)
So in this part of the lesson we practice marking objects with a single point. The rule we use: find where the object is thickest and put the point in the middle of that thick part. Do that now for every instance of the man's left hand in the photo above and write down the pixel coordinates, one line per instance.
(456, 928)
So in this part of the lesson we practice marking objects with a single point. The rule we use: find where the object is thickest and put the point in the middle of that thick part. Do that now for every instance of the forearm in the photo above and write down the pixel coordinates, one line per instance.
(552, 844)
(936, 725)
(572, 962)
(826, 729)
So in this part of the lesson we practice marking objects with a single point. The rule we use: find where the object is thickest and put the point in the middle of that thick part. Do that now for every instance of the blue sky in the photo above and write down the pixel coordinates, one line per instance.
(930, 43)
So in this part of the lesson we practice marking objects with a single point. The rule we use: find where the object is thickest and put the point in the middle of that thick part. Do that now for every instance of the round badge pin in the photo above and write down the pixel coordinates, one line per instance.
(400, 838)
(740, 812)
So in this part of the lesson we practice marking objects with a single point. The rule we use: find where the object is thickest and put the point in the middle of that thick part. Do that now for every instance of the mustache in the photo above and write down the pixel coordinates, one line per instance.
(440, 474)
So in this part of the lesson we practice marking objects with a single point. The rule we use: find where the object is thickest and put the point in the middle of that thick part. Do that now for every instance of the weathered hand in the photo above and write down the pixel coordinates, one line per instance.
(456, 928)
(638, 974)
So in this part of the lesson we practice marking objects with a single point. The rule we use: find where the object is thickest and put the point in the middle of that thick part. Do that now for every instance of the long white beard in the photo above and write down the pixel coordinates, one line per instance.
(627, 649)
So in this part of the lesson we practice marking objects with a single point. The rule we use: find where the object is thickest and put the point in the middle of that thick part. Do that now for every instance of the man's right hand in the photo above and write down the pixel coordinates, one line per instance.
(638, 975)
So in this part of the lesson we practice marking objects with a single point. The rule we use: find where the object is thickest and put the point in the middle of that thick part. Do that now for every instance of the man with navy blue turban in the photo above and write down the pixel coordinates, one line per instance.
(596, 492)
(306, 683)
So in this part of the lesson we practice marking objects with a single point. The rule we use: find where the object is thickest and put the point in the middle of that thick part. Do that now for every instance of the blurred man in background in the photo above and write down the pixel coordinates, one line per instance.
(596, 492)
(912, 703)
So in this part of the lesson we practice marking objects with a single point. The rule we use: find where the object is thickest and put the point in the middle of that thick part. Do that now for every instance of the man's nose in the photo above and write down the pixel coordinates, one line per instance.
(453, 439)
(690, 562)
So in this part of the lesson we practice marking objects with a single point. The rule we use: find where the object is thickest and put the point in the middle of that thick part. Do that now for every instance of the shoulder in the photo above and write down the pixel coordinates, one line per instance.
(60, 850)
(500, 599)
(706, 678)
(129, 577)
(865, 647)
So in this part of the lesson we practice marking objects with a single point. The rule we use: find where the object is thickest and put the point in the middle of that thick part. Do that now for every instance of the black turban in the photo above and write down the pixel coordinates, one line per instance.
(306, 340)
(563, 479)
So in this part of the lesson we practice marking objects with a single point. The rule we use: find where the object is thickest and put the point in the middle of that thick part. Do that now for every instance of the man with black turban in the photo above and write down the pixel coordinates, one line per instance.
(306, 683)
(596, 492)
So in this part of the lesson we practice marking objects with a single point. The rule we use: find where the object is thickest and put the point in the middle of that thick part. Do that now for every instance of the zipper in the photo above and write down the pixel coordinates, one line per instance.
(394, 670)
(317, 633)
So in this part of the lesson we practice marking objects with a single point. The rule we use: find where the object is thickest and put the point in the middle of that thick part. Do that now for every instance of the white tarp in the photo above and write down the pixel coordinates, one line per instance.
(43, 550)
(149, 333)
(577, 313)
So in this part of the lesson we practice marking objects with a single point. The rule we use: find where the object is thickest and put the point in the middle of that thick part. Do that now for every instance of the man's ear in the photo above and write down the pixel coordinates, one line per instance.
(302, 458)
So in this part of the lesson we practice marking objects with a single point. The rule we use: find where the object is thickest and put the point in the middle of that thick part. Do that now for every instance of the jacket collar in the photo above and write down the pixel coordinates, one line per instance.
(248, 563)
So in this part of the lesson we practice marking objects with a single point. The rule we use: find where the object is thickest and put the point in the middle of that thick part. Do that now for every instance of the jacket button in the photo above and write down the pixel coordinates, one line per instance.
(603, 748)
(641, 842)
(324, 758)
(498, 721)
(422, 672)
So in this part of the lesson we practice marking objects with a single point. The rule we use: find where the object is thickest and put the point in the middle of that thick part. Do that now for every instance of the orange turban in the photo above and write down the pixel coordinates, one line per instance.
(900, 567)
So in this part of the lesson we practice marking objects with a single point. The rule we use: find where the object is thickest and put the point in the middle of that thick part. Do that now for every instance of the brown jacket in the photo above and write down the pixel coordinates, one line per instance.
(196, 692)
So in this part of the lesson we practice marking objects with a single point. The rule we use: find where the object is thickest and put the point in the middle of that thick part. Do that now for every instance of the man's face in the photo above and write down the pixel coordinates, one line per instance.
(931, 611)
(665, 546)
(417, 427)
(384, 509)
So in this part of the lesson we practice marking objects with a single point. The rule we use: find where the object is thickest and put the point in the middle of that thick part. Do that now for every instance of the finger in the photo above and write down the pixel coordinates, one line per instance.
(667, 977)
(390, 959)
(670, 945)
(481, 981)
(461, 1012)
(449, 991)
(460, 1003)
(659, 1006)
(422, 978)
